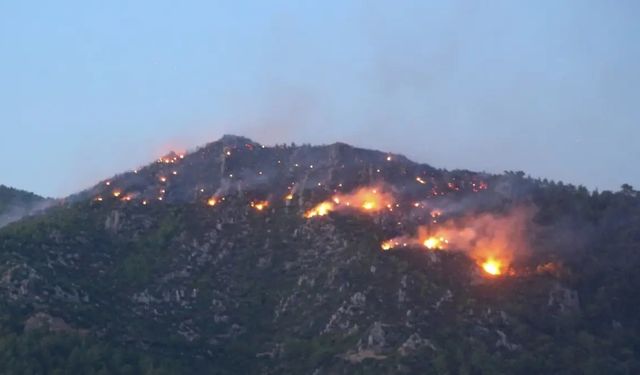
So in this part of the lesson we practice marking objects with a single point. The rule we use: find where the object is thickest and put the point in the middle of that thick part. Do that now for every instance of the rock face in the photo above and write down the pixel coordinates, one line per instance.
(227, 288)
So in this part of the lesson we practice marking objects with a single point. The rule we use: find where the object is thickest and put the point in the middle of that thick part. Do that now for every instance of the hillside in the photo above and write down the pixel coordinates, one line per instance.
(15, 204)
(240, 258)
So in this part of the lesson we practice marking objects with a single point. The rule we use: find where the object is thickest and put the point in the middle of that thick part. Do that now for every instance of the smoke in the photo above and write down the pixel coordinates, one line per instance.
(501, 238)
(16, 212)
(493, 236)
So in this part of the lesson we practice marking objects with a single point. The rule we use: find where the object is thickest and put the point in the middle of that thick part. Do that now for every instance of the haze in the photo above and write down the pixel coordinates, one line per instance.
(90, 89)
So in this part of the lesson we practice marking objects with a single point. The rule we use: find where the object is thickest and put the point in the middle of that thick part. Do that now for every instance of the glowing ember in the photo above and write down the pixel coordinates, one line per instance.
(320, 210)
(163, 179)
(391, 244)
(387, 245)
(116, 193)
(492, 267)
(289, 197)
(420, 180)
(260, 205)
(212, 201)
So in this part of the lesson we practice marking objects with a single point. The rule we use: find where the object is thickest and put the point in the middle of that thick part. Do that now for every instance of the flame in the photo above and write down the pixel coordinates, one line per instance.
(420, 180)
(172, 157)
(369, 205)
(116, 193)
(492, 241)
(435, 243)
(367, 199)
(212, 201)
(320, 210)
(163, 179)
(260, 205)
(391, 244)
(289, 197)
(492, 266)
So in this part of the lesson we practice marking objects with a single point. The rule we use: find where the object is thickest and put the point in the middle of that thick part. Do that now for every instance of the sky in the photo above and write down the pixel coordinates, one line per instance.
(93, 88)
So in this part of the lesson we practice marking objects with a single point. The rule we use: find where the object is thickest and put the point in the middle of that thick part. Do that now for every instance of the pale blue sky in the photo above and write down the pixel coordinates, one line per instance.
(92, 88)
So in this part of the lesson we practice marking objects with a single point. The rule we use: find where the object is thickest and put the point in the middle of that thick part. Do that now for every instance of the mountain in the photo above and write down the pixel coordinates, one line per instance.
(15, 204)
(238, 258)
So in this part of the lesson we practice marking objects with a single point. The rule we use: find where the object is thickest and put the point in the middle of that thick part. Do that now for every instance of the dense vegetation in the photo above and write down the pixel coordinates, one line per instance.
(110, 287)
(10, 197)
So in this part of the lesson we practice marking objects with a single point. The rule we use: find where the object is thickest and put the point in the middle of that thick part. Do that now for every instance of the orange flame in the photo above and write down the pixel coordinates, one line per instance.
(212, 201)
(260, 205)
(492, 267)
(320, 210)
(492, 241)
(435, 243)
(367, 199)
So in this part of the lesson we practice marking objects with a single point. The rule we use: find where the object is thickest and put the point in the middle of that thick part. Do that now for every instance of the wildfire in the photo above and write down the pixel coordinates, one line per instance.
(369, 205)
(390, 244)
(366, 199)
(260, 205)
(171, 158)
(212, 201)
(435, 243)
(492, 267)
(320, 210)
(117, 193)
(288, 197)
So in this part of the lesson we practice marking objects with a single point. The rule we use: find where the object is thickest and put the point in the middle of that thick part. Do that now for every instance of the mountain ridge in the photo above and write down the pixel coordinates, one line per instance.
(332, 261)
